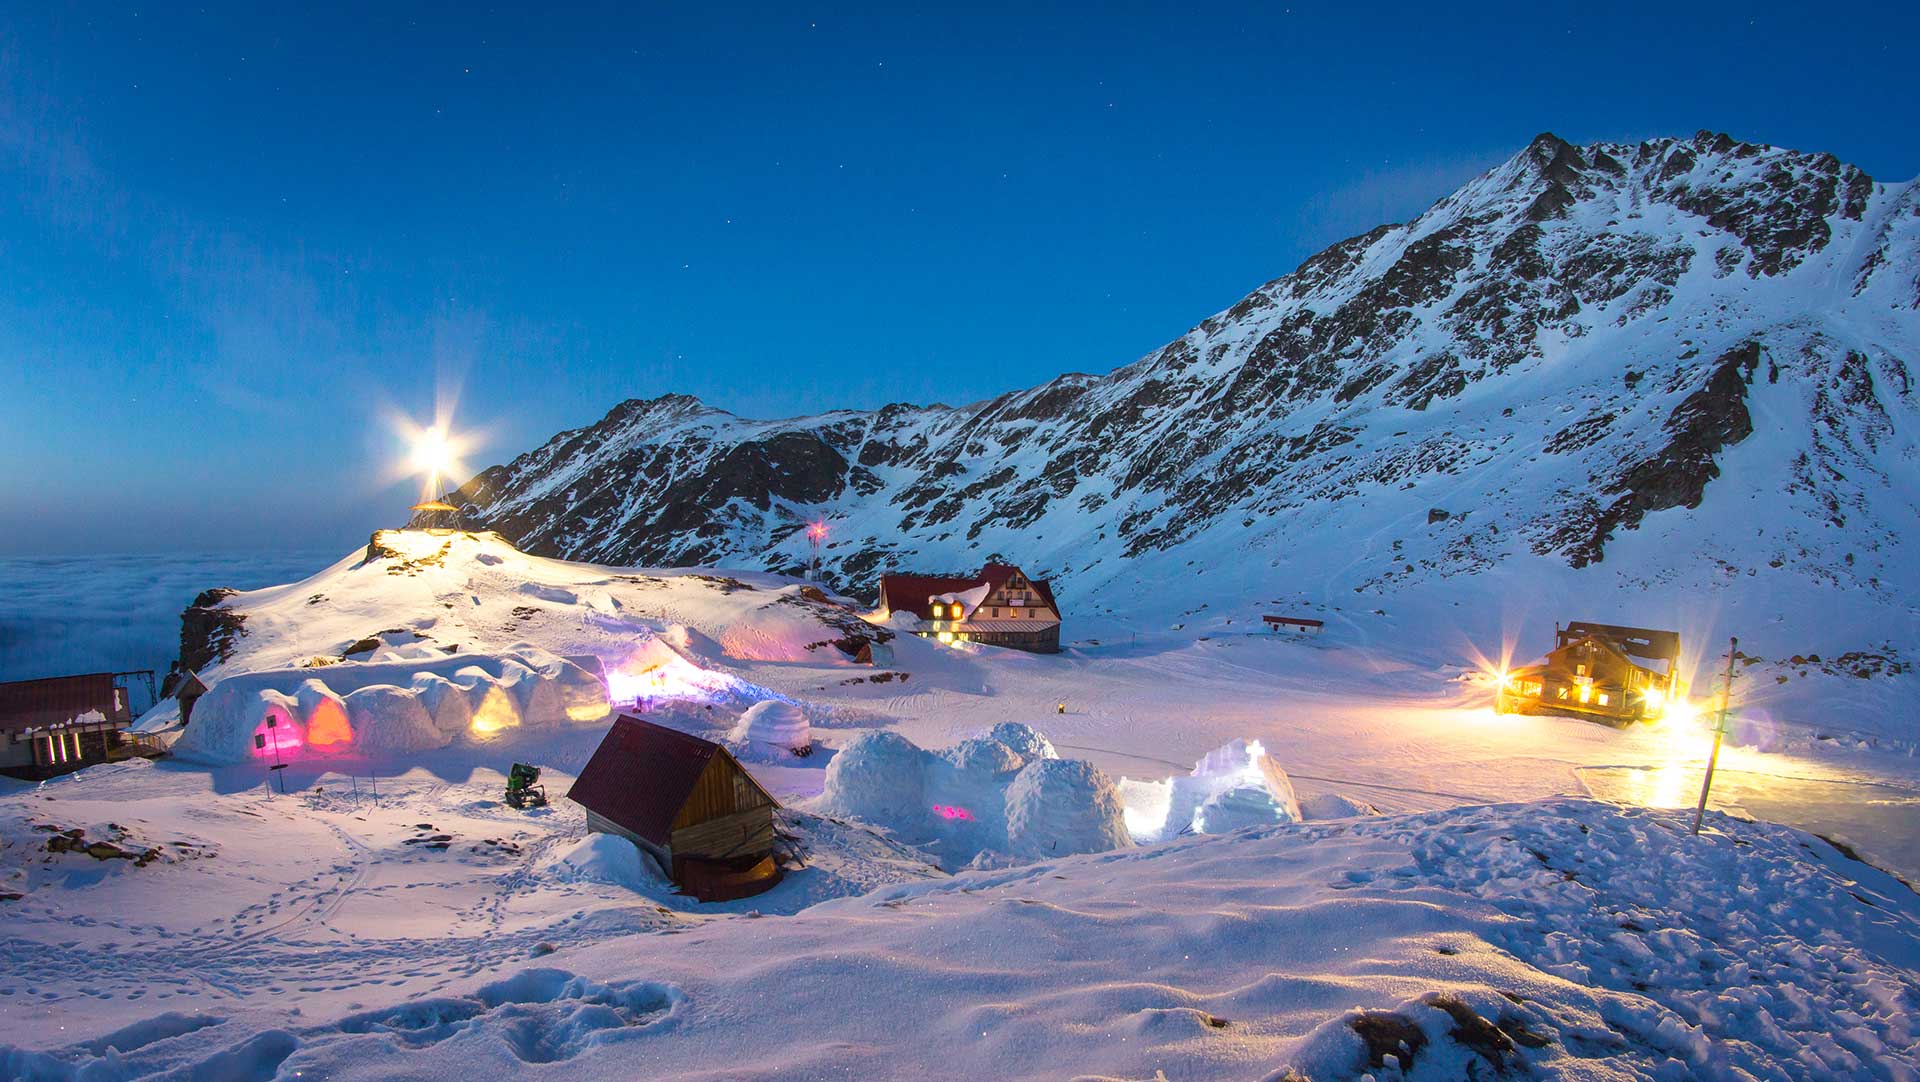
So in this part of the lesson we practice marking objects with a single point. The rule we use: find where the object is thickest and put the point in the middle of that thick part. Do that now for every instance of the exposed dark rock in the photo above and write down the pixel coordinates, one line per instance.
(208, 631)
(1708, 420)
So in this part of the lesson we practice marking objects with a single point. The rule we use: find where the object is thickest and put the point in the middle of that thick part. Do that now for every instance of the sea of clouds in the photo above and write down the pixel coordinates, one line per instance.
(77, 614)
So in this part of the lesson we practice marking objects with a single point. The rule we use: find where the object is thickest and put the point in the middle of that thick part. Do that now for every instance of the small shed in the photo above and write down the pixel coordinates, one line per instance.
(62, 723)
(685, 801)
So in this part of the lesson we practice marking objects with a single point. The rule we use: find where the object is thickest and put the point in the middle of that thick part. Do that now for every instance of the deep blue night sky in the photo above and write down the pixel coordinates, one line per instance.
(232, 243)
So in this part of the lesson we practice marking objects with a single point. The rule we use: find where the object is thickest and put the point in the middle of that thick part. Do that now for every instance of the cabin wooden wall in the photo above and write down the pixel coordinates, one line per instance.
(722, 789)
(738, 834)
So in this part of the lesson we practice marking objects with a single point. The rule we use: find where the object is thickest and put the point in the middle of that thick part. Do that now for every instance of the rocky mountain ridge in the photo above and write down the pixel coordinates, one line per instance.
(1580, 344)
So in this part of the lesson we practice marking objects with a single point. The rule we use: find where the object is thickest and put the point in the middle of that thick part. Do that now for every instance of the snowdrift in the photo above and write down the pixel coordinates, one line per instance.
(1002, 795)
(1568, 939)
(773, 725)
(358, 708)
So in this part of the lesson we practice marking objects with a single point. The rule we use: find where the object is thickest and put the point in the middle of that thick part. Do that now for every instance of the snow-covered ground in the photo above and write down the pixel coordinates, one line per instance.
(388, 917)
(1562, 939)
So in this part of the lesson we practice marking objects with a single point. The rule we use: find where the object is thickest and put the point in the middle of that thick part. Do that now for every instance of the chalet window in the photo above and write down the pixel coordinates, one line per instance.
(1561, 691)
(1603, 698)
(1580, 670)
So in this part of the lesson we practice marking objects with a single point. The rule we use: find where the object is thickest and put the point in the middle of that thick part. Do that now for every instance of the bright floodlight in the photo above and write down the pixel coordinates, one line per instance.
(432, 453)
(436, 453)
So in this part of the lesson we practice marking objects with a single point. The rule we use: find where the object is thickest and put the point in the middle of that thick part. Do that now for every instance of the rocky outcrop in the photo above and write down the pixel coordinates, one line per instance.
(1676, 475)
(207, 632)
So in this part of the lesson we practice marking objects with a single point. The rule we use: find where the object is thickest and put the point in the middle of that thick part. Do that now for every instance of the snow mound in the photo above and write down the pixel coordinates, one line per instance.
(773, 724)
(880, 777)
(609, 859)
(1003, 793)
(389, 707)
(1061, 806)
(1234, 786)
(1025, 740)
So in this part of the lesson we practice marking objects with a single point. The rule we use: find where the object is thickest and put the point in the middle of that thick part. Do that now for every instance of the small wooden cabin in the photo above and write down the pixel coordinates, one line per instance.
(1000, 606)
(1591, 672)
(63, 723)
(685, 801)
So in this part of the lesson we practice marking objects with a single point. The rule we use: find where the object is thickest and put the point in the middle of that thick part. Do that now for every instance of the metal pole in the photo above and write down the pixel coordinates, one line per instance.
(1719, 734)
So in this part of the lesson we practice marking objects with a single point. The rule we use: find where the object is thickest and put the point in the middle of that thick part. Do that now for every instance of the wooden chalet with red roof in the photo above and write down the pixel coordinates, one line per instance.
(1000, 606)
(686, 802)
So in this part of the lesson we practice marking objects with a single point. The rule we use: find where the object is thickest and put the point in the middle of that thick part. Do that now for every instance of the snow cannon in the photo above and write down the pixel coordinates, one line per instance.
(1592, 673)
(523, 788)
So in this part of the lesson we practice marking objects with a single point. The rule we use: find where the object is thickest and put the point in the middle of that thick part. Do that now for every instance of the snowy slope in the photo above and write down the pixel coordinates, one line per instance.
(1678, 368)
(1564, 940)
(441, 591)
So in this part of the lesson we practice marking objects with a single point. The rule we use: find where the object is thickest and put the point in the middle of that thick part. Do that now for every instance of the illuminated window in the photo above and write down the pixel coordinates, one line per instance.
(1531, 687)
(1586, 693)
(1561, 691)
(1579, 670)
(1603, 698)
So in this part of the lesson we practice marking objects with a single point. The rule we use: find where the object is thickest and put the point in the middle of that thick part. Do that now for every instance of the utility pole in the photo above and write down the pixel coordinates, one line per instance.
(1719, 733)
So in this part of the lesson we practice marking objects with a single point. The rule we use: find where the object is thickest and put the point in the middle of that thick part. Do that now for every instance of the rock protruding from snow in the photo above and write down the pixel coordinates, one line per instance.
(1004, 794)
(1060, 806)
(774, 725)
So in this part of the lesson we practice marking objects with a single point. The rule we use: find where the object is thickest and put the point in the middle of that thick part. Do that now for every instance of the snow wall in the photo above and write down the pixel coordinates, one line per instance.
(1001, 796)
(1237, 785)
(407, 705)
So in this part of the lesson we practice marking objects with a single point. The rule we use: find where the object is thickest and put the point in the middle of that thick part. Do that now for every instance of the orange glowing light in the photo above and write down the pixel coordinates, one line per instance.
(328, 725)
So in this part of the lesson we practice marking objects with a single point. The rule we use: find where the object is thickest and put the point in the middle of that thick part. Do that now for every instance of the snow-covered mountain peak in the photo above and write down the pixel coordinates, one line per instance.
(1562, 365)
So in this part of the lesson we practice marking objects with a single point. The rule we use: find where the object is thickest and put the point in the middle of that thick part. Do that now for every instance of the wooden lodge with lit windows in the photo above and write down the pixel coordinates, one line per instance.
(1591, 673)
(1000, 606)
(63, 723)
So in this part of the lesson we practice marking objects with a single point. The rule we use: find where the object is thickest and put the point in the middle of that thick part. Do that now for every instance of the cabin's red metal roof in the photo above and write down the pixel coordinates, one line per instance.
(27, 704)
(641, 775)
(910, 593)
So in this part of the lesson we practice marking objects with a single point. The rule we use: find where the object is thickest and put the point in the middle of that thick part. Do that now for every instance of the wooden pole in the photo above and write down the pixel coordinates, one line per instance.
(1719, 734)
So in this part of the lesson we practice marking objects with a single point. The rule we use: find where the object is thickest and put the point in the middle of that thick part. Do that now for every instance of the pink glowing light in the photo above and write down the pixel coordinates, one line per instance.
(817, 531)
(278, 738)
(954, 812)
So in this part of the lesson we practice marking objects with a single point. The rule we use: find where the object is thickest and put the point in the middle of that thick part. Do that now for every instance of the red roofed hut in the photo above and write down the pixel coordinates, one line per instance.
(60, 724)
(685, 801)
(1000, 606)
